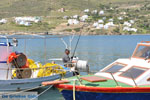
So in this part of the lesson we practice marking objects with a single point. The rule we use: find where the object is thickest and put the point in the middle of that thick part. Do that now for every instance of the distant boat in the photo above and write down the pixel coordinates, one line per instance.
(124, 79)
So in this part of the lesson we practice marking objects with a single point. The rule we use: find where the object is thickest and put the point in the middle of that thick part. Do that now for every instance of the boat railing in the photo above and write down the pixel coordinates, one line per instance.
(4, 37)
(113, 77)
(123, 72)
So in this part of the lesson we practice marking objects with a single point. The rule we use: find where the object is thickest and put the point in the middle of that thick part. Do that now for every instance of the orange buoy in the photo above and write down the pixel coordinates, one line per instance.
(11, 57)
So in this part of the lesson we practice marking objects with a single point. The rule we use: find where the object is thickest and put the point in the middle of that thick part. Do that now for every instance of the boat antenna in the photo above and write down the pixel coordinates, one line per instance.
(76, 46)
(77, 42)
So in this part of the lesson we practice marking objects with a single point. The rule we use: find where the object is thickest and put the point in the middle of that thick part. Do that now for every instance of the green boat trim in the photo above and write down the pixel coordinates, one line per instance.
(108, 83)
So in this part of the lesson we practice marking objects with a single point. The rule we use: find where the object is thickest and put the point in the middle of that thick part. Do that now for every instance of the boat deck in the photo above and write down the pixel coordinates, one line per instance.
(108, 83)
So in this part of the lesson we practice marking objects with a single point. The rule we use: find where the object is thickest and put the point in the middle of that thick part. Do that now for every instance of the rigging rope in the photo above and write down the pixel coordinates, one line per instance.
(74, 95)
(42, 92)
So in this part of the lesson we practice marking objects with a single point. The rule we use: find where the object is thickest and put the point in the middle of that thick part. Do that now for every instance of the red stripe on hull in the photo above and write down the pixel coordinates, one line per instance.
(105, 89)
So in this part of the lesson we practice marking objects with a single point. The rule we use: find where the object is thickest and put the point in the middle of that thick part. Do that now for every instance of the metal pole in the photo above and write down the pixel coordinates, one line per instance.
(114, 79)
(133, 79)
(45, 49)
(25, 45)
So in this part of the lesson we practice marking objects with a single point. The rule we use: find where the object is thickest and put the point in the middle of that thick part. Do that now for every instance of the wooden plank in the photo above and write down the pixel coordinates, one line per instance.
(54, 82)
(94, 79)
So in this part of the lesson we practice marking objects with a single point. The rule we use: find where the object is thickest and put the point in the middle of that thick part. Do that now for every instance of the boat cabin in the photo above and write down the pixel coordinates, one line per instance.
(131, 71)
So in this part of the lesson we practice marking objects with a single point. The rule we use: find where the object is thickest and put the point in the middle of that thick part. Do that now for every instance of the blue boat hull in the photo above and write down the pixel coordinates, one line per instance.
(68, 95)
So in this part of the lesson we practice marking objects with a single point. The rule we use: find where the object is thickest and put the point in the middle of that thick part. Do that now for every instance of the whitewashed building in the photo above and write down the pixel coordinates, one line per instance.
(95, 24)
(100, 21)
(106, 27)
(127, 24)
(29, 19)
(131, 21)
(26, 21)
(110, 20)
(94, 12)
(83, 18)
(75, 16)
(129, 29)
(100, 26)
(3, 21)
(73, 21)
(120, 18)
(111, 24)
(101, 12)
(86, 10)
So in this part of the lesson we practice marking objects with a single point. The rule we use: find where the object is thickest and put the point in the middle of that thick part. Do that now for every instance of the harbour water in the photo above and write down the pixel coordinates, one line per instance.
(98, 50)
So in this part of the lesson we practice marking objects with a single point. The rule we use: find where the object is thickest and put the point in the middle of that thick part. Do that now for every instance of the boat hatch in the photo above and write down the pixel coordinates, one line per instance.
(114, 68)
(142, 51)
(133, 72)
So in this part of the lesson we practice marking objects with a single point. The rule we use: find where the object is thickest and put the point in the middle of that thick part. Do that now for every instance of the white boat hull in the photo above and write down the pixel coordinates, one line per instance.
(23, 84)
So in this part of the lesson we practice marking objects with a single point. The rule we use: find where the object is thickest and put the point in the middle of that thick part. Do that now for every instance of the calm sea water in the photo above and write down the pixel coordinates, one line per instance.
(98, 50)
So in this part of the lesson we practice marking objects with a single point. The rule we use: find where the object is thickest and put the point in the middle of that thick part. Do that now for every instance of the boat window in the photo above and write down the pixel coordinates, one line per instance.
(114, 68)
(143, 52)
(133, 72)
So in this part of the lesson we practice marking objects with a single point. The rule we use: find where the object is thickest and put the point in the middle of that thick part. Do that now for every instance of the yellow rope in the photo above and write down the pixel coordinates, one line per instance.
(74, 95)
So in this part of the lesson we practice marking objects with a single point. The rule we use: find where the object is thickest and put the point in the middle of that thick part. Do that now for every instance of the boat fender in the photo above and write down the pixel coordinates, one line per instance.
(11, 57)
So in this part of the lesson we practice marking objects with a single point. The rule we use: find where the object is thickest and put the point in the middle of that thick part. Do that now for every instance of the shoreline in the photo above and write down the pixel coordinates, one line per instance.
(61, 33)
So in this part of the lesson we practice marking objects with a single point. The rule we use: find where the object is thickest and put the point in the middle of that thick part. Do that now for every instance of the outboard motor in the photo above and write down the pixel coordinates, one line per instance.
(19, 61)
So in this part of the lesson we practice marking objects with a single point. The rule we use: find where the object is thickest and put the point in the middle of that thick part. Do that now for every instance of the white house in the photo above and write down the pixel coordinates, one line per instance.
(123, 13)
(120, 18)
(110, 20)
(70, 21)
(101, 12)
(106, 27)
(27, 24)
(110, 24)
(133, 29)
(84, 17)
(129, 29)
(73, 21)
(94, 12)
(126, 29)
(131, 21)
(100, 26)
(3, 21)
(86, 10)
(75, 16)
(29, 19)
(127, 24)
(100, 21)
(95, 24)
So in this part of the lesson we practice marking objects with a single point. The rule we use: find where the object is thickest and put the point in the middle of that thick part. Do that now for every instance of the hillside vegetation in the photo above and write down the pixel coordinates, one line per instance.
(10, 8)
(51, 18)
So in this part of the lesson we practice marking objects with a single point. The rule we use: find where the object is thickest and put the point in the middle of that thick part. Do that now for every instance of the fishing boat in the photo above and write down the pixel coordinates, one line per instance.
(124, 79)
(18, 72)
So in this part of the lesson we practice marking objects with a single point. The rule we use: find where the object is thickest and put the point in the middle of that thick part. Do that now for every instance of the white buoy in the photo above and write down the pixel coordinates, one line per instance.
(82, 66)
